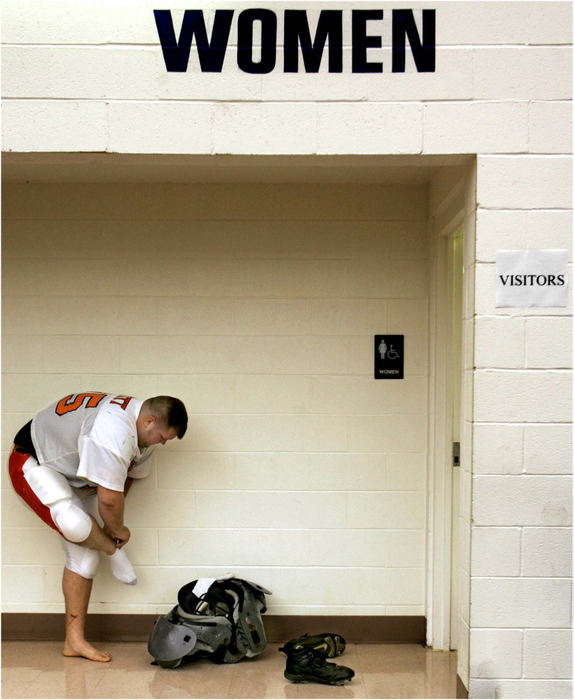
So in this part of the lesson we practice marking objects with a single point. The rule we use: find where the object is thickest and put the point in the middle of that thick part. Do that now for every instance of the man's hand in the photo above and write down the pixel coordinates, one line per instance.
(122, 537)
(111, 508)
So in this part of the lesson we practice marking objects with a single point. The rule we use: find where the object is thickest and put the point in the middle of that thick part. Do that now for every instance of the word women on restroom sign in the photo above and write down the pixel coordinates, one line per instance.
(389, 357)
(531, 278)
(260, 43)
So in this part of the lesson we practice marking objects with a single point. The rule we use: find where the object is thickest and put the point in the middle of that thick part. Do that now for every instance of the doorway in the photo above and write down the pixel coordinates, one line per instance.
(260, 248)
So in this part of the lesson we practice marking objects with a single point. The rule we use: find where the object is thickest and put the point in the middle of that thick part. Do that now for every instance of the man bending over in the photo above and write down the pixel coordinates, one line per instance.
(81, 445)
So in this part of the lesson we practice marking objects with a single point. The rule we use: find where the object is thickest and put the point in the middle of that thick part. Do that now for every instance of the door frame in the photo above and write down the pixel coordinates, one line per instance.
(439, 597)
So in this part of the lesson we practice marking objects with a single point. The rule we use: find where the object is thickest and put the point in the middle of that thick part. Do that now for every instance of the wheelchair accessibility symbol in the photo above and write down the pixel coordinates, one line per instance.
(389, 352)
(386, 352)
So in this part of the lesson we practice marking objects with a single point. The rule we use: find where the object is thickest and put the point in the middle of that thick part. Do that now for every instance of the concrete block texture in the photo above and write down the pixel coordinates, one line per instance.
(525, 73)
(54, 125)
(547, 552)
(408, 281)
(499, 229)
(60, 22)
(310, 471)
(495, 551)
(464, 23)
(253, 278)
(265, 547)
(522, 500)
(529, 396)
(367, 510)
(174, 127)
(26, 583)
(524, 182)
(550, 22)
(264, 128)
(474, 126)
(369, 128)
(74, 354)
(20, 547)
(496, 653)
(497, 23)
(550, 127)
(541, 353)
(499, 342)
(520, 603)
(548, 449)
(548, 653)
(502, 448)
(75, 72)
(498, 449)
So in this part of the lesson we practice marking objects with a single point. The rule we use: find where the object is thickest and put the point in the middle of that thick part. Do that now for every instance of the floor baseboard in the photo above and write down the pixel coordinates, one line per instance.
(278, 628)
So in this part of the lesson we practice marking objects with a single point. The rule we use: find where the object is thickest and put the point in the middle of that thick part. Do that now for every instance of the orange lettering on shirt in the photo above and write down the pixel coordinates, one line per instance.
(122, 401)
(74, 401)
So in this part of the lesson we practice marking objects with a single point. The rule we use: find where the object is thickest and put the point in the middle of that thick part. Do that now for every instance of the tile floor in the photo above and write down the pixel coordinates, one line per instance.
(38, 670)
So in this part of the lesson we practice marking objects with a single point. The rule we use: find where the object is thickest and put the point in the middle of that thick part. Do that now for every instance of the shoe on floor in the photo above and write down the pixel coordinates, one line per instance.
(309, 666)
(327, 644)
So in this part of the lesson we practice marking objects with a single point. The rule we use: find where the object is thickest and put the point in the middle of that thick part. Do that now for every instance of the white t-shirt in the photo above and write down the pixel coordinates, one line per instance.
(92, 438)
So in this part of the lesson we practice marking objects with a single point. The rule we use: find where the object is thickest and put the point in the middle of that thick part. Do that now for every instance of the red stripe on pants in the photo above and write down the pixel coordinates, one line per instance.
(15, 463)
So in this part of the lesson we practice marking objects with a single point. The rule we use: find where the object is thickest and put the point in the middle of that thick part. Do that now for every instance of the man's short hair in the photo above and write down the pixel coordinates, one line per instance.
(170, 410)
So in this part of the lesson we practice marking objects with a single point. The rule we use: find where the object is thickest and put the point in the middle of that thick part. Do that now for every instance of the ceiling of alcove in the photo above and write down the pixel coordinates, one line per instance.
(156, 168)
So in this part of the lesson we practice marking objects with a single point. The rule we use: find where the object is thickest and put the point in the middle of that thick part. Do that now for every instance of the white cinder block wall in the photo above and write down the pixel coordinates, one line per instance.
(83, 77)
(257, 305)
(522, 496)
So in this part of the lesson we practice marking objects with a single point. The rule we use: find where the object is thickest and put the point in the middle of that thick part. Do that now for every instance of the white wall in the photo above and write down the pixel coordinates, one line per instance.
(522, 492)
(502, 91)
(257, 305)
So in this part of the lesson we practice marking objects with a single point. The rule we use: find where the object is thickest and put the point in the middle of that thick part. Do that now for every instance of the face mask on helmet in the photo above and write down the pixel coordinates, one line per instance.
(215, 618)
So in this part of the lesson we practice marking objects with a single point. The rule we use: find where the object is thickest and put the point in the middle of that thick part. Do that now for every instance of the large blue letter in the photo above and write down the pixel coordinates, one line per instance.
(245, 24)
(296, 31)
(363, 41)
(176, 53)
(423, 53)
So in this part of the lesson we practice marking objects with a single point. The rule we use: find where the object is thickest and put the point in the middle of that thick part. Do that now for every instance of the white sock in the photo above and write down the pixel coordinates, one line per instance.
(122, 568)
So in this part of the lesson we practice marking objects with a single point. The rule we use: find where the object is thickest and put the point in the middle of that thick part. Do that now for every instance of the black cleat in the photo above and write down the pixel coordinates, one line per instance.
(327, 644)
(308, 666)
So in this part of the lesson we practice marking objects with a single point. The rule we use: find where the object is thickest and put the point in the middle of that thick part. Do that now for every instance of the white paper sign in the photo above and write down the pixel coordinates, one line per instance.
(532, 278)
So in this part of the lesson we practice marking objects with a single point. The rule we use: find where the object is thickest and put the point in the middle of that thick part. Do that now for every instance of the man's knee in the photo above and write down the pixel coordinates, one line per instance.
(74, 523)
(81, 560)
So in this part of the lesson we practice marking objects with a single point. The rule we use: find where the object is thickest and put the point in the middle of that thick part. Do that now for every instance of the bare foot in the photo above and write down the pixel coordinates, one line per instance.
(86, 650)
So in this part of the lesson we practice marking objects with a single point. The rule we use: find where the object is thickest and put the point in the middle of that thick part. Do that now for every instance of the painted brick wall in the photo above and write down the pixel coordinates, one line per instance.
(502, 91)
(256, 305)
(522, 497)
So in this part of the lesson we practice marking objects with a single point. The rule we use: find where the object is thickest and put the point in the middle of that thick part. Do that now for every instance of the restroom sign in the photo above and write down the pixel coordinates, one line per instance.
(389, 357)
